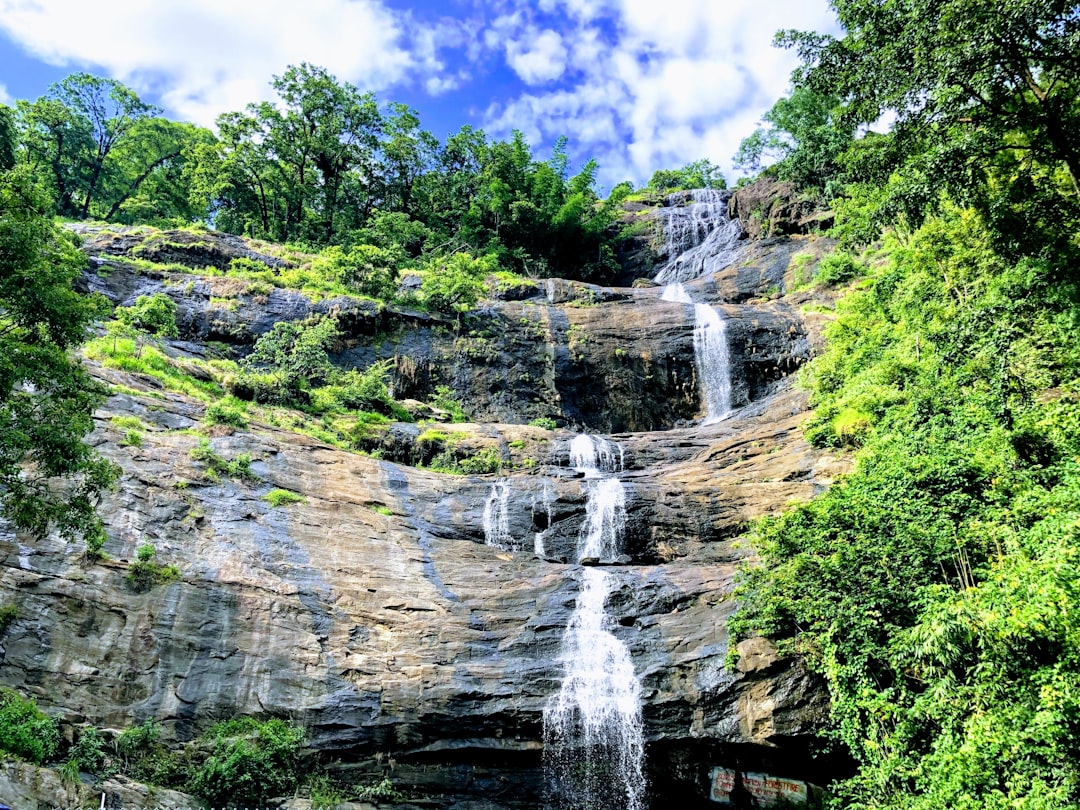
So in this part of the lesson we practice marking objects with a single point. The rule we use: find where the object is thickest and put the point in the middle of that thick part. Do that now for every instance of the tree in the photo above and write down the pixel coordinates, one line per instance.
(46, 398)
(979, 88)
(803, 140)
(696, 174)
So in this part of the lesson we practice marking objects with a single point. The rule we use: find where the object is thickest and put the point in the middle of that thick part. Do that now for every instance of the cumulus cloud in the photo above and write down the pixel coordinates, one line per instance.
(205, 56)
(539, 58)
(649, 84)
(5, 96)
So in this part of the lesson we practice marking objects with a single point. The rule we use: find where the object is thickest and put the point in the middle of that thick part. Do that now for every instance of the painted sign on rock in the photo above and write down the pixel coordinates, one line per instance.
(765, 790)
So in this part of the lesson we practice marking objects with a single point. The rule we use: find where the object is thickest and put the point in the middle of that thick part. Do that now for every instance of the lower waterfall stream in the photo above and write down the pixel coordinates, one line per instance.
(594, 745)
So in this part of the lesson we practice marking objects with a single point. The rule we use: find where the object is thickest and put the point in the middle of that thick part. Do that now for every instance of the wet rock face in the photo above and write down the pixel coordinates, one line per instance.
(375, 612)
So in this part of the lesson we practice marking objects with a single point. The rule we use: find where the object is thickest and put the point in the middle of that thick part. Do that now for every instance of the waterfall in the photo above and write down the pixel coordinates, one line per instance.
(593, 455)
(676, 292)
(605, 519)
(547, 498)
(497, 519)
(605, 496)
(593, 735)
(700, 237)
(712, 358)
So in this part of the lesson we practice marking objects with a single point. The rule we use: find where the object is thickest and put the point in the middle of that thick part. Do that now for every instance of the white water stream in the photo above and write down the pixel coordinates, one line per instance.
(700, 237)
(497, 517)
(593, 737)
(712, 357)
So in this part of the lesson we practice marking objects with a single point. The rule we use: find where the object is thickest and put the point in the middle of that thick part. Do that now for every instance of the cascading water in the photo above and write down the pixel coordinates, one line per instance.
(605, 520)
(605, 496)
(593, 736)
(593, 455)
(713, 361)
(711, 354)
(497, 517)
(547, 498)
(700, 237)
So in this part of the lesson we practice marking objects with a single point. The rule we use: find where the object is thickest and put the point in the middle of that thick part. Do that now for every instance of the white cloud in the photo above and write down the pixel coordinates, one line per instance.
(650, 84)
(540, 58)
(208, 56)
(5, 96)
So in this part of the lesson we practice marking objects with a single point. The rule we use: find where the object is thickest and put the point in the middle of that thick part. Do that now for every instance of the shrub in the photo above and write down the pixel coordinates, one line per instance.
(545, 422)
(8, 614)
(226, 412)
(249, 762)
(282, 497)
(487, 460)
(239, 467)
(25, 731)
(140, 754)
(838, 268)
(88, 753)
(143, 574)
(444, 399)
(154, 314)
(367, 269)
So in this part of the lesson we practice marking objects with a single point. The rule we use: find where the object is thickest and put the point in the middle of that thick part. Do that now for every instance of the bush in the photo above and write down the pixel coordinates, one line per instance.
(282, 497)
(143, 574)
(8, 614)
(25, 731)
(226, 412)
(142, 755)
(367, 269)
(88, 753)
(545, 422)
(154, 314)
(838, 268)
(249, 762)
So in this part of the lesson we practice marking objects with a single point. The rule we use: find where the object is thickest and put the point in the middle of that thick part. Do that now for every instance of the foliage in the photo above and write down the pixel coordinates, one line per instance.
(24, 730)
(838, 268)
(141, 754)
(46, 398)
(382, 791)
(366, 269)
(239, 467)
(454, 284)
(154, 314)
(248, 762)
(102, 152)
(358, 390)
(143, 574)
(282, 497)
(985, 103)
(445, 399)
(803, 142)
(8, 614)
(228, 411)
(287, 361)
(698, 174)
(88, 753)
(935, 586)
(545, 422)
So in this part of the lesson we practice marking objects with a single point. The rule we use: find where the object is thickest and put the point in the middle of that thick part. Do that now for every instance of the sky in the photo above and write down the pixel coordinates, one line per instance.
(639, 85)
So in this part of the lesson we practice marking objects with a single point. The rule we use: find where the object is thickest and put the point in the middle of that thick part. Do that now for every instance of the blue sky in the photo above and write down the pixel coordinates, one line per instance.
(637, 84)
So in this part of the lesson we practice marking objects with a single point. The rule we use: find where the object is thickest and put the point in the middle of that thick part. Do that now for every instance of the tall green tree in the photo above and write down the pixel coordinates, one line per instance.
(46, 398)
(803, 140)
(985, 94)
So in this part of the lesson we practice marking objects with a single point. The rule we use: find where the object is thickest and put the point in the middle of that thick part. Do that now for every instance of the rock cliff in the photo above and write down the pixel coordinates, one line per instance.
(371, 610)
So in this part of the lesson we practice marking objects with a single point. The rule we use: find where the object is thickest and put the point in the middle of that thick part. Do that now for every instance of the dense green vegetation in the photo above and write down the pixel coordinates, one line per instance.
(937, 586)
(326, 165)
(46, 398)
